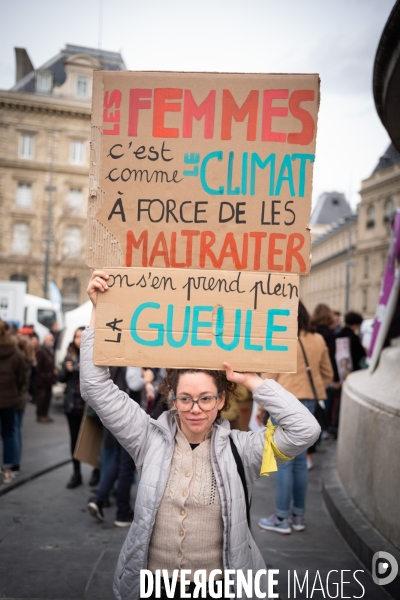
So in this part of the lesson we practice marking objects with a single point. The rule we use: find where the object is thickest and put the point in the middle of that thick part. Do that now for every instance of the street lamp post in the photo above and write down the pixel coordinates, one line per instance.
(348, 265)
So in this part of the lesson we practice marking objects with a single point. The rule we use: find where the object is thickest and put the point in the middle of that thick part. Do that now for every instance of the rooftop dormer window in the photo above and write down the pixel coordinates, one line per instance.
(82, 86)
(44, 82)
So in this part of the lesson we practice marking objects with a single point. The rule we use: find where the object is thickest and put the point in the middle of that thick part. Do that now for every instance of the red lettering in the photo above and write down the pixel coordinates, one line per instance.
(160, 248)
(205, 249)
(192, 111)
(230, 110)
(137, 102)
(245, 250)
(112, 100)
(293, 251)
(161, 106)
(272, 251)
(229, 242)
(174, 264)
(132, 242)
(189, 234)
(306, 135)
(258, 237)
(269, 111)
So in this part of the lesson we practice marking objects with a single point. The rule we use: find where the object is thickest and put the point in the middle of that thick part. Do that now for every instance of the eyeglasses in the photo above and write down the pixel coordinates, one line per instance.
(205, 403)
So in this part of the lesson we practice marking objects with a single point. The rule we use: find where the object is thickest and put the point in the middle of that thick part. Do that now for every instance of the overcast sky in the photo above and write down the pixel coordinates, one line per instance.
(337, 39)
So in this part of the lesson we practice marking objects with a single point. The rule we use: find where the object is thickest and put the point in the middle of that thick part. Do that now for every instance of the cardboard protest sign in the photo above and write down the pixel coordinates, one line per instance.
(202, 171)
(199, 319)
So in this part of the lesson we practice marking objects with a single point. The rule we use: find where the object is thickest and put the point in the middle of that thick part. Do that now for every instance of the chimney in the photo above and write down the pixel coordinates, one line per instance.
(23, 62)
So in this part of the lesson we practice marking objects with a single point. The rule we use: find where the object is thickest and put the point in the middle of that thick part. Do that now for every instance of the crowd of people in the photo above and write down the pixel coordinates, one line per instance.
(317, 385)
(28, 373)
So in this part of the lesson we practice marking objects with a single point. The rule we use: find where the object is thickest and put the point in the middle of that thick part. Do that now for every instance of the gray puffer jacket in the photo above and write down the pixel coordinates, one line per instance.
(151, 444)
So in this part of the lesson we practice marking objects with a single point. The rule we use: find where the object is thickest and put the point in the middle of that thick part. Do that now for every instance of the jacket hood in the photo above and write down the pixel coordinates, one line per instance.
(7, 347)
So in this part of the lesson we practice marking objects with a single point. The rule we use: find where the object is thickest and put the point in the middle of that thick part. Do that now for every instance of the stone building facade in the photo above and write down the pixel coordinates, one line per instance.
(348, 260)
(332, 275)
(380, 197)
(44, 168)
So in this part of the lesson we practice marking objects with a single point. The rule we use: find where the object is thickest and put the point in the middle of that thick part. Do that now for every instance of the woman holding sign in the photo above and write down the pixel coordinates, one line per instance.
(190, 522)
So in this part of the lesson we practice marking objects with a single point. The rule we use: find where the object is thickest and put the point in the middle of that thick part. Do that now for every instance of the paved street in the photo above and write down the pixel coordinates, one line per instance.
(50, 548)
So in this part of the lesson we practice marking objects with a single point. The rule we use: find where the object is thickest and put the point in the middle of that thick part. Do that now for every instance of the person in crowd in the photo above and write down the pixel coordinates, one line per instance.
(314, 373)
(55, 330)
(337, 321)
(46, 378)
(350, 356)
(26, 347)
(351, 331)
(121, 470)
(33, 378)
(74, 404)
(190, 509)
(12, 379)
(144, 385)
(324, 322)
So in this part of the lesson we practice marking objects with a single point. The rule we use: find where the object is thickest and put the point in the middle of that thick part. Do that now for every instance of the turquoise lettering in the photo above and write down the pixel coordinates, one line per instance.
(170, 327)
(257, 162)
(219, 329)
(159, 341)
(285, 166)
(229, 190)
(245, 161)
(218, 154)
(247, 335)
(302, 170)
(196, 324)
(271, 328)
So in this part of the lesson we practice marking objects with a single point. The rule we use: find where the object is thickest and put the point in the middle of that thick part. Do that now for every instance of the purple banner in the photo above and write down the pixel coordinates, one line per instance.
(387, 281)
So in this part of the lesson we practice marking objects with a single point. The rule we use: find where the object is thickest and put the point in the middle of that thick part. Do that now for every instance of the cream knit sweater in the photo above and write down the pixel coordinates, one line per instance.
(188, 529)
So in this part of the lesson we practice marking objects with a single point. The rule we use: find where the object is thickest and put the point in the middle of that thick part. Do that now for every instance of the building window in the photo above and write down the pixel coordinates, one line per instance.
(70, 293)
(366, 266)
(371, 217)
(82, 86)
(21, 238)
(44, 82)
(389, 210)
(26, 146)
(23, 199)
(77, 152)
(75, 199)
(73, 242)
(20, 277)
(365, 299)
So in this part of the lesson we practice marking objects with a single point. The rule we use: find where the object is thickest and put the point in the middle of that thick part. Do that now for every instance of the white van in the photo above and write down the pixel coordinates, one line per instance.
(79, 317)
(41, 313)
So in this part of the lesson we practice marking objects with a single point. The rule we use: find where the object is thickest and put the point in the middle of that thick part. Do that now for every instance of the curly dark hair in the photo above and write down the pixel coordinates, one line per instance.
(170, 384)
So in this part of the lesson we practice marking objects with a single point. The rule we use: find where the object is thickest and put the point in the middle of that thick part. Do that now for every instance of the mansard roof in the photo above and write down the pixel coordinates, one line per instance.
(106, 60)
(331, 207)
(390, 158)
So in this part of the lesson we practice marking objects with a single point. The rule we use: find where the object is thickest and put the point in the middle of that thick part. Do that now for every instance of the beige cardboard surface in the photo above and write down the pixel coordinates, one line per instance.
(89, 441)
(202, 170)
(199, 319)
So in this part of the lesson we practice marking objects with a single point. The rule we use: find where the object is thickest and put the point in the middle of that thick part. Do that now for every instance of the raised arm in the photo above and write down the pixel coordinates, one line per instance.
(297, 428)
(119, 413)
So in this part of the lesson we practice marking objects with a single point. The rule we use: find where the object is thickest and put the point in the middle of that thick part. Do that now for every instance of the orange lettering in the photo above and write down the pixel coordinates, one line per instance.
(272, 251)
(131, 241)
(294, 252)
